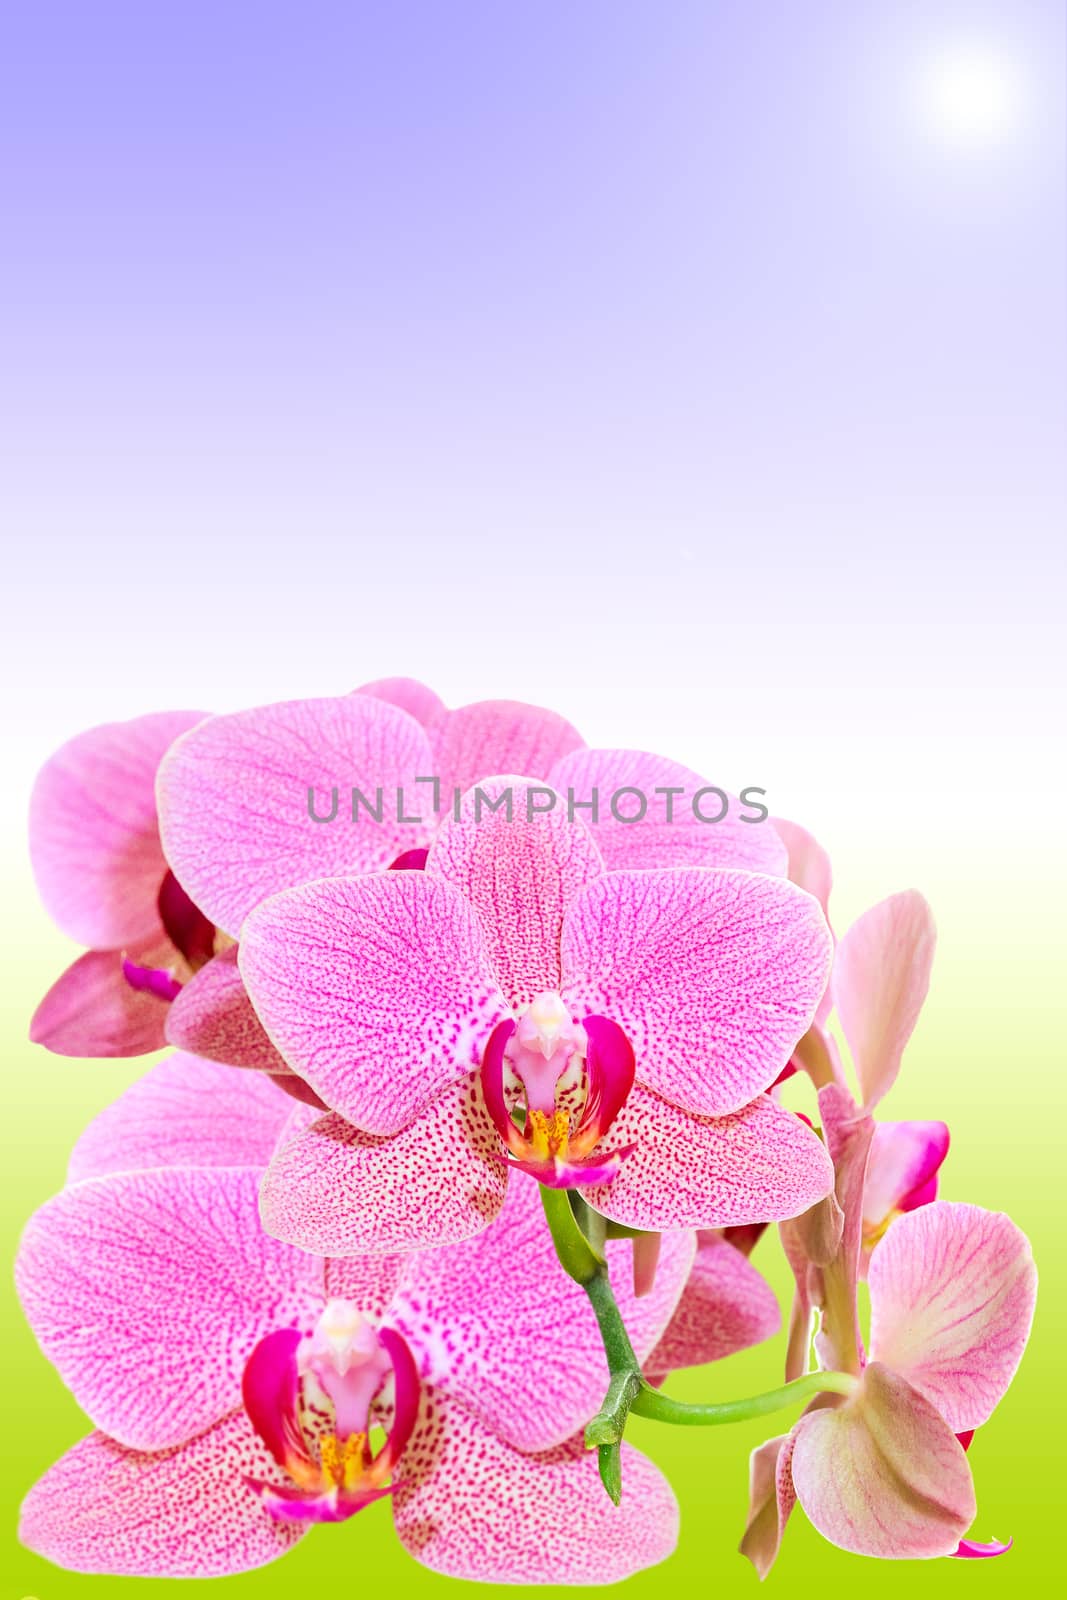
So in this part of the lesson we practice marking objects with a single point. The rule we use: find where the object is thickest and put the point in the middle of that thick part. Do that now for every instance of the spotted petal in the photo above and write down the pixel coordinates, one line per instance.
(338, 1191)
(713, 975)
(952, 1299)
(470, 1506)
(187, 1512)
(233, 798)
(148, 1290)
(759, 1164)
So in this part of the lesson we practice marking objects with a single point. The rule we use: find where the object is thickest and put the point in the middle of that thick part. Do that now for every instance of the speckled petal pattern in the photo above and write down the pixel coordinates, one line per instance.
(757, 1165)
(714, 975)
(654, 841)
(336, 1190)
(181, 1513)
(148, 1290)
(520, 874)
(214, 1017)
(470, 1506)
(233, 798)
(498, 1323)
(184, 1113)
(377, 990)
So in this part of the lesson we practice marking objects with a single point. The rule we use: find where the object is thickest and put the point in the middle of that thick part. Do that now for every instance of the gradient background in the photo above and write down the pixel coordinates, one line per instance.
(695, 368)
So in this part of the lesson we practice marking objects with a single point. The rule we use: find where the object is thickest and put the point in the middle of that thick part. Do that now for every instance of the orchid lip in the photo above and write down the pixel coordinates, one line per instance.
(565, 1081)
(344, 1372)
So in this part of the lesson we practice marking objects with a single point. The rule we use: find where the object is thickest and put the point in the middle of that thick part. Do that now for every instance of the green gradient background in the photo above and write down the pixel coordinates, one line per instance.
(981, 1058)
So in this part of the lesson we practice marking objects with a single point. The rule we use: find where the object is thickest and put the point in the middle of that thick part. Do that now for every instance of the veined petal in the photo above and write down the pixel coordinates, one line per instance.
(498, 736)
(468, 1505)
(882, 1474)
(520, 872)
(953, 1289)
(214, 1017)
(725, 1306)
(233, 798)
(339, 1191)
(187, 1512)
(183, 1113)
(848, 1132)
(670, 832)
(377, 990)
(713, 976)
(684, 1171)
(94, 839)
(91, 1010)
(500, 1326)
(881, 975)
(119, 1273)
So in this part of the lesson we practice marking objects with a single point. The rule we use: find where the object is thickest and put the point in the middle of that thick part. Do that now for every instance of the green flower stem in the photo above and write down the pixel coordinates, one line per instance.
(627, 1390)
(661, 1408)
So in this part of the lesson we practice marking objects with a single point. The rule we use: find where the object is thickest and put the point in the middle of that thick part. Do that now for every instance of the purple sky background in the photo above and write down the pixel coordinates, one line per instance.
(662, 361)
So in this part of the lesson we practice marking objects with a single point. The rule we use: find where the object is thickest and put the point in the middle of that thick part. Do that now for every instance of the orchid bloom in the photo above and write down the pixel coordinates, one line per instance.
(244, 1389)
(100, 870)
(514, 1005)
(393, 742)
(882, 1472)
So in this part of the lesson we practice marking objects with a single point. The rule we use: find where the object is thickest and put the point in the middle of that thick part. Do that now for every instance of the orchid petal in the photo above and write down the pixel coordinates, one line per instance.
(848, 1132)
(725, 1306)
(183, 1113)
(94, 839)
(499, 736)
(713, 976)
(881, 975)
(771, 1498)
(952, 1299)
(468, 1505)
(882, 1474)
(91, 1010)
(905, 1156)
(970, 1549)
(417, 699)
(684, 1171)
(670, 832)
(183, 1513)
(117, 1270)
(520, 872)
(339, 1191)
(377, 990)
(233, 798)
(808, 864)
(213, 1017)
(501, 1326)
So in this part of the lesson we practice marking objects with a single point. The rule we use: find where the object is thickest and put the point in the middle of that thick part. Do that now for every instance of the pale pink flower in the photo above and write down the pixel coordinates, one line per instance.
(457, 1380)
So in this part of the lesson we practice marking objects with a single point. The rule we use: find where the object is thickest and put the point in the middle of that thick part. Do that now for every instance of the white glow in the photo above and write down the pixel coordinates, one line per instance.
(971, 96)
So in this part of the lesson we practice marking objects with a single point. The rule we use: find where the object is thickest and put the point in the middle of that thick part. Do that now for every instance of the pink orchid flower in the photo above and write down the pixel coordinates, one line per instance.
(632, 1019)
(394, 743)
(100, 870)
(883, 1471)
(245, 1390)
